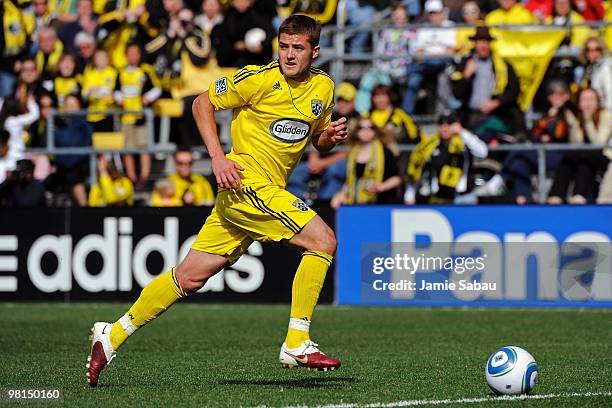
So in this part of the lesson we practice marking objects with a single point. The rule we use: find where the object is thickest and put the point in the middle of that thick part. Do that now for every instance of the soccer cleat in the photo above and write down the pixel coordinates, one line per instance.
(101, 353)
(307, 355)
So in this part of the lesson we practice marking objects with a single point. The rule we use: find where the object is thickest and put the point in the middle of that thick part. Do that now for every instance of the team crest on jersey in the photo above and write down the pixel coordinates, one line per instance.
(300, 205)
(316, 106)
(221, 86)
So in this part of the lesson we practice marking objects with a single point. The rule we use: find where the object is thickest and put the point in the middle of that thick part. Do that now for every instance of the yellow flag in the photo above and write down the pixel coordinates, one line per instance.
(529, 53)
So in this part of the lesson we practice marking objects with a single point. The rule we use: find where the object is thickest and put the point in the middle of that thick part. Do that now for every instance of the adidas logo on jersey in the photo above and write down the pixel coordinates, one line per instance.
(277, 86)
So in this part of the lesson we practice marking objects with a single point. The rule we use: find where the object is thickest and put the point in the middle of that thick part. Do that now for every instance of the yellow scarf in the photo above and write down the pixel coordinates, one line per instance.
(450, 173)
(374, 172)
(52, 59)
(501, 75)
(15, 35)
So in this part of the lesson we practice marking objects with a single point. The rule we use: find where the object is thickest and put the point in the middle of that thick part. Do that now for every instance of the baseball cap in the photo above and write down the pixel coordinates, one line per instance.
(346, 91)
(434, 6)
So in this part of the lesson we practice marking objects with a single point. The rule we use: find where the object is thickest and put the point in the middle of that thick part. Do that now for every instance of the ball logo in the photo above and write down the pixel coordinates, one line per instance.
(500, 359)
(501, 362)
(290, 130)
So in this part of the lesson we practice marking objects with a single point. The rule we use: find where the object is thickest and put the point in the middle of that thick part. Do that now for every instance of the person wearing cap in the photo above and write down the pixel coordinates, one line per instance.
(487, 88)
(21, 189)
(326, 172)
(439, 166)
(510, 12)
(431, 49)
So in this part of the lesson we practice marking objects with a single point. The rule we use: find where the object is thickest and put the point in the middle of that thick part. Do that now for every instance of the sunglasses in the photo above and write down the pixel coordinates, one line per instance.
(184, 163)
(598, 49)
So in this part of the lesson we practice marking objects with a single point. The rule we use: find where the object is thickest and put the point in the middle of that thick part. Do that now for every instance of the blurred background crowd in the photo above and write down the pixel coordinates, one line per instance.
(448, 101)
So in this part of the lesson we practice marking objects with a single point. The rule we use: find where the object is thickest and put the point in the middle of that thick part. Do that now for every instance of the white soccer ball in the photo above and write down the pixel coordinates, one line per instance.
(511, 371)
(254, 38)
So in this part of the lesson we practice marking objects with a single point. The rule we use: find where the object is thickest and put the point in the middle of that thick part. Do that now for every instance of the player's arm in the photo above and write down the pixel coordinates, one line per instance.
(335, 133)
(226, 171)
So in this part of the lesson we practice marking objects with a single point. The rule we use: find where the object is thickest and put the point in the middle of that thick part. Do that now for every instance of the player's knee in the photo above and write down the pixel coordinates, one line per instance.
(326, 242)
(191, 278)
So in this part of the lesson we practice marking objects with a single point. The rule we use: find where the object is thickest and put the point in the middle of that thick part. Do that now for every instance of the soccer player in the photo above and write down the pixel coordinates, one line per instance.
(278, 109)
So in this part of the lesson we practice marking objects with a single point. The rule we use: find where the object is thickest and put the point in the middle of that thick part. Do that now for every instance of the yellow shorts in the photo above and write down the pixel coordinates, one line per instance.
(253, 213)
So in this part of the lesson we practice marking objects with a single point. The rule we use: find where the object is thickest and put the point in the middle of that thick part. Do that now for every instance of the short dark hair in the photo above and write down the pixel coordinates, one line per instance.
(302, 24)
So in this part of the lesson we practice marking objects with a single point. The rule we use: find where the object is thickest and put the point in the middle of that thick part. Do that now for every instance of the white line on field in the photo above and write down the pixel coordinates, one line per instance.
(414, 403)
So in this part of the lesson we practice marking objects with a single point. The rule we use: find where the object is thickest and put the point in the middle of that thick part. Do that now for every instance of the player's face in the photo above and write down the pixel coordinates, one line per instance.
(296, 55)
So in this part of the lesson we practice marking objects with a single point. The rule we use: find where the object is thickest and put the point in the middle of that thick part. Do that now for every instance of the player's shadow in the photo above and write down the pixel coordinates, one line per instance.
(295, 383)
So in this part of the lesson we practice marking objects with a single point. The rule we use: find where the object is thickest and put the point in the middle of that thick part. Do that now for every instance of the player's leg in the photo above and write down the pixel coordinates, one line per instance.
(319, 243)
(217, 245)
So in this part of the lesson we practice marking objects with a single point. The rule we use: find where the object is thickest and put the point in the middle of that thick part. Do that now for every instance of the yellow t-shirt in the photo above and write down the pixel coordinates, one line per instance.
(274, 118)
(516, 15)
(98, 87)
(109, 192)
(197, 185)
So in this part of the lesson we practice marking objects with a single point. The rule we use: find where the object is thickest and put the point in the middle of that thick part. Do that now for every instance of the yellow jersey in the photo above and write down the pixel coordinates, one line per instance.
(109, 192)
(274, 118)
(98, 86)
(196, 184)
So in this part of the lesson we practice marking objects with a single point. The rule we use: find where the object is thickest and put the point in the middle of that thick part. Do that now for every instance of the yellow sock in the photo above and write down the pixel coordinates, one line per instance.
(154, 300)
(307, 285)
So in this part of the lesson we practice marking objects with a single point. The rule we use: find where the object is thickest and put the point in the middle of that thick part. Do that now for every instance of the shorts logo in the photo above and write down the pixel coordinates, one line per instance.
(316, 106)
(221, 86)
(290, 130)
(300, 205)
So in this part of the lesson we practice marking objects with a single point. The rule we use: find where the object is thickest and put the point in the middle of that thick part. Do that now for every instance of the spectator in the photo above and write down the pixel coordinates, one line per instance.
(488, 89)
(321, 175)
(564, 16)
(593, 126)
(49, 52)
(471, 15)
(14, 40)
(359, 13)
(596, 71)
(85, 44)
(232, 38)
(178, 37)
(20, 189)
(431, 50)
(71, 171)
(164, 195)
(122, 23)
(541, 9)
(391, 60)
(137, 88)
(16, 122)
(7, 160)
(39, 18)
(591, 10)
(99, 82)
(371, 170)
(67, 82)
(192, 189)
(439, 166)
(38, 130)
(113, 189)
(521, 165)
(211, 16)
(397, 124)
(86, 22)
(28, 85)
(509, 12)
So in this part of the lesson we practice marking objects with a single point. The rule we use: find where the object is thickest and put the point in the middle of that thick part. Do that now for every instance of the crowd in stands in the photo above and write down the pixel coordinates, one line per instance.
(101, 55)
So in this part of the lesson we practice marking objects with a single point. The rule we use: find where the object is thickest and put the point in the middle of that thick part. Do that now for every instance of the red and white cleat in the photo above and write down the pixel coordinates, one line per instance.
(307, 355)
(101, 353)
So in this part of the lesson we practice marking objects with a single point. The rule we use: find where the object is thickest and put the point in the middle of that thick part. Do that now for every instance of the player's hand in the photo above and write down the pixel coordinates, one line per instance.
(227, 172)
(337, 131)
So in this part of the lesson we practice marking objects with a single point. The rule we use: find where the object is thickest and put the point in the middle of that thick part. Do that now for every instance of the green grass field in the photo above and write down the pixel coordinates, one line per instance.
(226, 355)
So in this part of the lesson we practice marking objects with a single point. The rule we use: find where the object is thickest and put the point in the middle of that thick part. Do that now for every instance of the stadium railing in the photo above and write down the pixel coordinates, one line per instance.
(168, 148)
